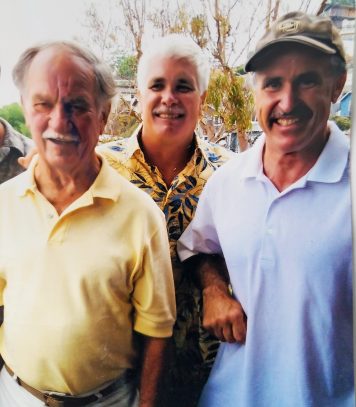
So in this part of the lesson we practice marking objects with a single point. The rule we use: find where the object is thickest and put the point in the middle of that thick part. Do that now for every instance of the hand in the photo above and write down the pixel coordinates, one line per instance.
(223, 316)
(25, 161)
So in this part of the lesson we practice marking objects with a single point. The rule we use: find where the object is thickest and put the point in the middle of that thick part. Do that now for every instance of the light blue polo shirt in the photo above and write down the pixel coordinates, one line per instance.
(289, 256)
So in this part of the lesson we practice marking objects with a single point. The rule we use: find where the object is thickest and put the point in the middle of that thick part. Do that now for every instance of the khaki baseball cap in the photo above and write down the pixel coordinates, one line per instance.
(312, 31)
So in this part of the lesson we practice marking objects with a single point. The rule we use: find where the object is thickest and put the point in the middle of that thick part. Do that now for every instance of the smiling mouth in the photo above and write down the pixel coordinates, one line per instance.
(286, 121)
(297, 116)
(61, 138)
(169, 116)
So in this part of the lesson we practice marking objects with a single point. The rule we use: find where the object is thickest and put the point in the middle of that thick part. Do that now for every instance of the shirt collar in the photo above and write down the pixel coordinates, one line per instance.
(329, 167)
(333, 160)
(204, 148)
(106, 185)
(253, 166)
(133, 145)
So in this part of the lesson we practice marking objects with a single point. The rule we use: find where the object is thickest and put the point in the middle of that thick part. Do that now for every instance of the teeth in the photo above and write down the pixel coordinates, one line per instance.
(287, 122)
(168, 116)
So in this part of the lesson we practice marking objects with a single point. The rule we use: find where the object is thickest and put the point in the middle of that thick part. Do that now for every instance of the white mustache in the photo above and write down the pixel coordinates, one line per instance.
(66, 138)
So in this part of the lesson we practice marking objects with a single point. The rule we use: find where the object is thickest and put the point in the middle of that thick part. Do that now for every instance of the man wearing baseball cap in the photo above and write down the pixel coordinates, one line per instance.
(280, 214)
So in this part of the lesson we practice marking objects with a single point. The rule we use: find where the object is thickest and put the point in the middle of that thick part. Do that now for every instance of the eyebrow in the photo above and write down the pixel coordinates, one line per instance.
(158, 79)
(185, 80)
(310, 75)
(40, 96)
(269, 79)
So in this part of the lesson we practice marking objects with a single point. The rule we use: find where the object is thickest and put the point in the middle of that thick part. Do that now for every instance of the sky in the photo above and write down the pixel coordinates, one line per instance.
(25, 22)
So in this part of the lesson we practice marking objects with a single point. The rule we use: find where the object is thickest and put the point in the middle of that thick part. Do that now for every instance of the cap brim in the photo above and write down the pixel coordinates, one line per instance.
(262, 53)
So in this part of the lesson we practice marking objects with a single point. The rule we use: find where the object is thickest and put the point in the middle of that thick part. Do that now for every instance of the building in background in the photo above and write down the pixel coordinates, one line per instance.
(343, 15)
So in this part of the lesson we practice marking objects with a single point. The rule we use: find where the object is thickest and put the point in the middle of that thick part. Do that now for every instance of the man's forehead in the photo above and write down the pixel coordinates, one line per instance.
(157, 67)
(59, 59)
(283, 60)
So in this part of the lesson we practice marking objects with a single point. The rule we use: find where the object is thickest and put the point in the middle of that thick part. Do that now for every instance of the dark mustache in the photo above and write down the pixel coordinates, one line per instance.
(300, 111)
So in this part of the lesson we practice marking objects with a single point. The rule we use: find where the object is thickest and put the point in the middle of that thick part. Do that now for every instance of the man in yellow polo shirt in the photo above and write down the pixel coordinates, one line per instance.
(79, 328)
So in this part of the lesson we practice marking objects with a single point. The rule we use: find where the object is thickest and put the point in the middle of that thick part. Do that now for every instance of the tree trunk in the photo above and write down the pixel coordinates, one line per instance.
(243, 143)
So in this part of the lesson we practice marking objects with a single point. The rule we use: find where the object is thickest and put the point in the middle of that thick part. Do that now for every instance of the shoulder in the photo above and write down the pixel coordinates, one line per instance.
(14, 185)
(137, 200)
(214, 153)
(119, 151)
(232, 172)
(118, 146)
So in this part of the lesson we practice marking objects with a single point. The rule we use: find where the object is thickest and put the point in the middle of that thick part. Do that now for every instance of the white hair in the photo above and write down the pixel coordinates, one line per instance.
(175, 46)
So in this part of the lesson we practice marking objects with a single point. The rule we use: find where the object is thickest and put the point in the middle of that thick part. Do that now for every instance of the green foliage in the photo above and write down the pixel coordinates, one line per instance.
(13, 114)
(239, 70)
(126, 67)
(198, 29)
(231, 99)
(343, 122)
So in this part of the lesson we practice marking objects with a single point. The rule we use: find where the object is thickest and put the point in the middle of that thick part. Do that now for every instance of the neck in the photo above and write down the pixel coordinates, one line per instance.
(283, 169)
(169, 158)
(62, 188)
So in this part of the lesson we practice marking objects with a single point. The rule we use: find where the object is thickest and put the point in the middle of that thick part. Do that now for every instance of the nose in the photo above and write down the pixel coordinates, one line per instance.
(60, 120)
(288, 98)
(169, 97)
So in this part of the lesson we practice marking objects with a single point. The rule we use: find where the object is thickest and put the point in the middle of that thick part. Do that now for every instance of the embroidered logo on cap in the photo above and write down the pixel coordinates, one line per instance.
(291, 26)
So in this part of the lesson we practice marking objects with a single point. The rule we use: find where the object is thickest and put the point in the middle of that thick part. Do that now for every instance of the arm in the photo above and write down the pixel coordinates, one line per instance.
(223, 316)
(153, 356)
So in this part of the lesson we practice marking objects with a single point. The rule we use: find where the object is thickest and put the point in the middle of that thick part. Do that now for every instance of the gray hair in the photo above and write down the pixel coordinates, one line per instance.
(175, 46)
(337, 65)
(105, 84)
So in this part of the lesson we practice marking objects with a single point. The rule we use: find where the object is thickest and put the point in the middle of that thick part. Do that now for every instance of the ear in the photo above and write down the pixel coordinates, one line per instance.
(202, 98)
(104, 116)
(139, 105)
(338, 87)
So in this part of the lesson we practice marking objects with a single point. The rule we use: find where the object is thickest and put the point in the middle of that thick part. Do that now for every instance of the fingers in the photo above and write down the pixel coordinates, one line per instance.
(224, 317)
(239, 330)
(22, 161)
(25, 161)
(234, 331)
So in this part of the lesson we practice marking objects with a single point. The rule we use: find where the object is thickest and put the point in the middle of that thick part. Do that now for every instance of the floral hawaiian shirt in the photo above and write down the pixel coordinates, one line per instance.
(195, 349)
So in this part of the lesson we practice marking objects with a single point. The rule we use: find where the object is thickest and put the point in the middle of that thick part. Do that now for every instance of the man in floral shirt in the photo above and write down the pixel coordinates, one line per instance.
(166, 159)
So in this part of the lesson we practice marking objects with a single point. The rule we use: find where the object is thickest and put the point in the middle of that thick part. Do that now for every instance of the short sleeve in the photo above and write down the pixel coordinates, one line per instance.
(154, 297)
(201, 235)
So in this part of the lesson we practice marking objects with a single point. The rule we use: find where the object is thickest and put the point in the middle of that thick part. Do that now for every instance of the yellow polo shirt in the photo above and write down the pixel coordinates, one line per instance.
(75, 286)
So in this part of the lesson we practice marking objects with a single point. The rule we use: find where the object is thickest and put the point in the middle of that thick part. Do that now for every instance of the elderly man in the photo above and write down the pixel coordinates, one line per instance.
(85, 273)
(166, 159)
(280, 215)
